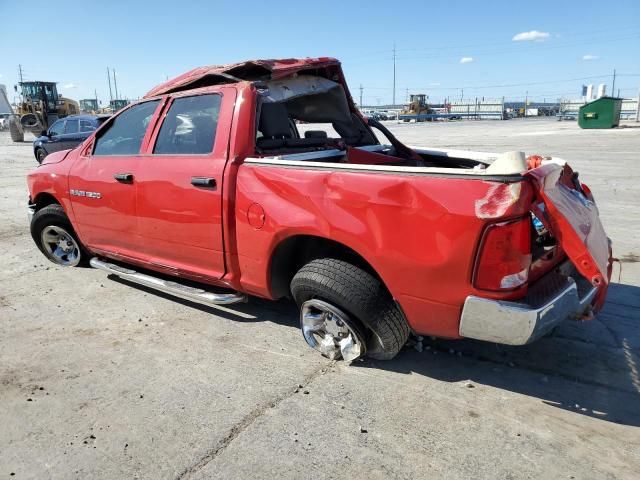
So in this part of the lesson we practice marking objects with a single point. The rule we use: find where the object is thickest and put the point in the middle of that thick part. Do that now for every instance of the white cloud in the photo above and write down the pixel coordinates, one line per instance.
(532, 36)
(466, 60)
(69, 86)
(588, 57)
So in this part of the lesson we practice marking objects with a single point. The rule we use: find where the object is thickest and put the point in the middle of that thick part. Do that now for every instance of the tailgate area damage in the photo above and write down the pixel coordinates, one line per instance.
(559, 295)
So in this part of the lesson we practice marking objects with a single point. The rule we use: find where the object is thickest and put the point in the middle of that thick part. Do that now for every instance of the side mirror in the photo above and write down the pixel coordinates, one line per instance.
(44, 133)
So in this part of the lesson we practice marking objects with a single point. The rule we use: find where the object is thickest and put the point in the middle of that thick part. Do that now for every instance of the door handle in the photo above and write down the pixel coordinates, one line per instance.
(124, 177)
(203, 182)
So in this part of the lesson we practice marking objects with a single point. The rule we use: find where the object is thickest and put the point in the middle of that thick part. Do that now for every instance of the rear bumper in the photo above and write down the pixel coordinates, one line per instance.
(554, 298)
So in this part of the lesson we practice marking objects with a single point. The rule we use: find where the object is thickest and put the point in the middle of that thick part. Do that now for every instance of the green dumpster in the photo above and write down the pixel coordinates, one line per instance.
(601, 113)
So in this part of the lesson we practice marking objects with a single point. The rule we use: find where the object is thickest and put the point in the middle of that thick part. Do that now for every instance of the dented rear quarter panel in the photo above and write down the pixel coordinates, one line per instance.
(420, 233)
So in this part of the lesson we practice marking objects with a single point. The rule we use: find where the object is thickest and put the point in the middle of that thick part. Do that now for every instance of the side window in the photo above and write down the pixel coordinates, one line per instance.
(124, 135)
(189, 126)
(86, 126)
(57, 128)
(71, 126)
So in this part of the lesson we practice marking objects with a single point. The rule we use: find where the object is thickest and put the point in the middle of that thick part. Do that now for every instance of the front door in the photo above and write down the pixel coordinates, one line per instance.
(103, 181)
(55, 142)
(179, 184)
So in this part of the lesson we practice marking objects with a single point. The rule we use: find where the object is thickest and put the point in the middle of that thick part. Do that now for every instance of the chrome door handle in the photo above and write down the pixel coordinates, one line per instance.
(203, 182)
(124, 177)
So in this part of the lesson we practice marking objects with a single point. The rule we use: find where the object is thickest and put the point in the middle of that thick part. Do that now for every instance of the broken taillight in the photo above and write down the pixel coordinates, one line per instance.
(505, 256)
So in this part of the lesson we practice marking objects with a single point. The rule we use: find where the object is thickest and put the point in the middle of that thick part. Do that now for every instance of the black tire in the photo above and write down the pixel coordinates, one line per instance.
(53, 215)
(40, 154)
(15, 130)
(359, 294)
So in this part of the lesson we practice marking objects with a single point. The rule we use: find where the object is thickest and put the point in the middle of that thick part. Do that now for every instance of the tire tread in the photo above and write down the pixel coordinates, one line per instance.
(359, 293)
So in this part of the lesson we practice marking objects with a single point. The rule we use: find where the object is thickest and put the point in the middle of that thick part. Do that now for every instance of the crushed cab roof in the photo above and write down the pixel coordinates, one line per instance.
(251, 70)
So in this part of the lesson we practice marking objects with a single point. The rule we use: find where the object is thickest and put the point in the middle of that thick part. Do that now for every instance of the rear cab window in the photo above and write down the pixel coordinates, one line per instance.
(306, 113)
(127, 130)
(190, 126)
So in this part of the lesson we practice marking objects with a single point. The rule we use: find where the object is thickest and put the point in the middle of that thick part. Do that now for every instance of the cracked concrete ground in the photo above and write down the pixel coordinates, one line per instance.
(100, 379)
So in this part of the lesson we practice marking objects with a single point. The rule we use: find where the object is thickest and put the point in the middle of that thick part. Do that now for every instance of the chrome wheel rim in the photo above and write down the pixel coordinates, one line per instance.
(59, 246)
(41, 156)
(330, 331)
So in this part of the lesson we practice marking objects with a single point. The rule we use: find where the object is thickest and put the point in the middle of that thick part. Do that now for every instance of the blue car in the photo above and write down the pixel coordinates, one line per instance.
(66, 133)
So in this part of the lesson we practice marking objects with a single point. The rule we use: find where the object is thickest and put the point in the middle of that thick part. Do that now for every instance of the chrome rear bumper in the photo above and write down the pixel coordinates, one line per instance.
(554, 298)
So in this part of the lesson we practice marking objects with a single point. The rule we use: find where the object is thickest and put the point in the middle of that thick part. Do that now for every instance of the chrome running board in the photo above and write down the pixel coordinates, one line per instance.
(167, 286)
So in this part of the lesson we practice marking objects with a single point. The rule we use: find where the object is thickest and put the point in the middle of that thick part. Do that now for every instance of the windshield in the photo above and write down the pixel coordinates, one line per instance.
(36, 91)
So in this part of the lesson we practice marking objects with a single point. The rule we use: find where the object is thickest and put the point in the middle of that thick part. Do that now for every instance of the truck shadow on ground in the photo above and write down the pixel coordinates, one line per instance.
(589, 368)
(283, 312)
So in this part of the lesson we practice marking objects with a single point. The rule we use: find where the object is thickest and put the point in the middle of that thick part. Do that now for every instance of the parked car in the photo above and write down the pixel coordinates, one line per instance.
(4, 121)
(207, 184)
(66, 133)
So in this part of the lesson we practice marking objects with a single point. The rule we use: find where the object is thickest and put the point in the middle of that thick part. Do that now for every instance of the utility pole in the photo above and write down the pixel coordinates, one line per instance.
(462, 94)
(110, 92)
(21, 80)
(613, 87)
(638, 107)
(394, 75)
(526, 98)
(360, 96)
(115, 83)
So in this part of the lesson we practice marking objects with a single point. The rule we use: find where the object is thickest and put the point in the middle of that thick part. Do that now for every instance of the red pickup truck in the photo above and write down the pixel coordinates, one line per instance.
(262, 178)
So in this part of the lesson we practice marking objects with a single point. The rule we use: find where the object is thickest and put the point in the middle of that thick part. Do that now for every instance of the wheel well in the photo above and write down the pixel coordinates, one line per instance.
(44, 199)
(294, 252)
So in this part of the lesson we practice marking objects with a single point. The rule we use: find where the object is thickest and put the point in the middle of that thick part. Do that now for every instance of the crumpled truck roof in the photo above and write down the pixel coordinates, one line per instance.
(251, 70)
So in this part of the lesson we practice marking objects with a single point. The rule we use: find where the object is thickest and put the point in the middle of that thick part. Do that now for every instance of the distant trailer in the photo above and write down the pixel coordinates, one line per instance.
(569, 109)
(450, 116)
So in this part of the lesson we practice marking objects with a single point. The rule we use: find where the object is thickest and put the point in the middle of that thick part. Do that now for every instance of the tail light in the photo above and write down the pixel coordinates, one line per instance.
(505, 256)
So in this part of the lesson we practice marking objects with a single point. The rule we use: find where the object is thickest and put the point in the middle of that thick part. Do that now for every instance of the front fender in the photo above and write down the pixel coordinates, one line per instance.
(51, 178)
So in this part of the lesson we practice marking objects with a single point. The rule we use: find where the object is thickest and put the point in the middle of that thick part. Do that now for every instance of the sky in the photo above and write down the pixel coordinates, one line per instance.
(446, 49)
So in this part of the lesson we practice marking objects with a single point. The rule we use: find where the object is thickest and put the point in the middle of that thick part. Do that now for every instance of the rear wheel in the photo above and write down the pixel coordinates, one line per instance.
(55, 237)
(347, 312)
(15, 130)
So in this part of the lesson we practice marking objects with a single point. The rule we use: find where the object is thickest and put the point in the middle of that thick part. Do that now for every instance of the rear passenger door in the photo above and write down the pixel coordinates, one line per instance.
(87, 127)
(179, 199)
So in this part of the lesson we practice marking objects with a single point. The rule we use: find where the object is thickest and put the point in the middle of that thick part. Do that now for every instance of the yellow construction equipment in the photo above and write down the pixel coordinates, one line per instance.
(39, 107)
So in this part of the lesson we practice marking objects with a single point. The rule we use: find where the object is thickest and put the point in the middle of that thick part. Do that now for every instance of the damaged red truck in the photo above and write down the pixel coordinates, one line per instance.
(207, 190)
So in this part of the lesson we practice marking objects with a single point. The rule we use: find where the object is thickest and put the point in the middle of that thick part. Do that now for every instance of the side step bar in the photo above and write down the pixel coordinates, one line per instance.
(167, 286)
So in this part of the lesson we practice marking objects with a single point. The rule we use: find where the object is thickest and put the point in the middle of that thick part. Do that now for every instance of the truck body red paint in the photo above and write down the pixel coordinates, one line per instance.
(417, 227)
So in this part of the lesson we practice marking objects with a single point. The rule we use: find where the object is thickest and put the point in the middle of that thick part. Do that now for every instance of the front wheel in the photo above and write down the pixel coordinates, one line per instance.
(40, 155)
(347, 312)
(55, 237)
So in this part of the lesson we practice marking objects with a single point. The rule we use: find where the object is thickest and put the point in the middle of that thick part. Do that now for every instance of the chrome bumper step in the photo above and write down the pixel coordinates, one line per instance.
(167, 286)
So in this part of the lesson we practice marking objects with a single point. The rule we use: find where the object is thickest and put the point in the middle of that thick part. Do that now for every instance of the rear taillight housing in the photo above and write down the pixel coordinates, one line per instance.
(504, 256)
